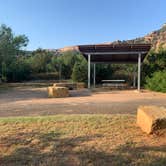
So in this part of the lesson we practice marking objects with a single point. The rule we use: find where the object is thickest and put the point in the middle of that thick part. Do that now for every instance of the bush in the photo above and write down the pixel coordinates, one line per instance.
(157, 82)
(18, 70)
(80, 71)
(103, 72)
(45, 76)
(4, 72)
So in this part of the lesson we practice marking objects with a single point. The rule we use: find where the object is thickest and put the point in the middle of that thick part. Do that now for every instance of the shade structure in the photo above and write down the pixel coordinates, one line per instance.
(115, 53)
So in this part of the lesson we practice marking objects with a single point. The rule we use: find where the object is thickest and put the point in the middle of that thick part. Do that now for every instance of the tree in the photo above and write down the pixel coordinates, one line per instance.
(103, 71)
(39, 61)
(80, 71)
(67, 61)
(155, 61)
(10, 46)
(4, 72)
(19, 70)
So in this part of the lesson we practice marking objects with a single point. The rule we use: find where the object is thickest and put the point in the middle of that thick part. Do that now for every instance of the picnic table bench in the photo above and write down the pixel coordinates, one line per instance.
(114, 83)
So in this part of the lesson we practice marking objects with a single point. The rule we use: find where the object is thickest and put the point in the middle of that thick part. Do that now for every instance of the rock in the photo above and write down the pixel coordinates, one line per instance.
(151, 118)
(57, 91)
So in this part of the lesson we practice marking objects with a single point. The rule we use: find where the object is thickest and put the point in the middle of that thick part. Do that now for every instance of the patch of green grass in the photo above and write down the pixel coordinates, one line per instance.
(78, 140)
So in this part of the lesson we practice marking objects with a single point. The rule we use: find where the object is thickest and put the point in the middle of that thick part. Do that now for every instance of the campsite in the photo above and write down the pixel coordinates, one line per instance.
(82, 83)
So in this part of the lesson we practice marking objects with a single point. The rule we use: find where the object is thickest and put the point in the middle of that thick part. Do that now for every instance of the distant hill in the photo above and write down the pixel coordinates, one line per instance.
(156, 38)
(65, 49)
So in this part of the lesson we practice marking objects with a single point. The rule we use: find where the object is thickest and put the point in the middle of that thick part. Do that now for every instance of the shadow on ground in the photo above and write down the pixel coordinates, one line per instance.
(26, 93)
(50, 149)
(80, 93)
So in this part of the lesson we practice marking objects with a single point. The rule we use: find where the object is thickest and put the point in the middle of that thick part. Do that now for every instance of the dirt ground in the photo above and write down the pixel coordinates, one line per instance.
(31, 101)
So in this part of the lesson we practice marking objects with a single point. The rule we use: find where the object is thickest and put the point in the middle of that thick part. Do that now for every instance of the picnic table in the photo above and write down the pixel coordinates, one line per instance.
(114, 83)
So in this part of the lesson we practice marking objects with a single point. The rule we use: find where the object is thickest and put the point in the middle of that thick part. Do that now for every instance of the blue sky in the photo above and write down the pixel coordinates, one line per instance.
(59, 23)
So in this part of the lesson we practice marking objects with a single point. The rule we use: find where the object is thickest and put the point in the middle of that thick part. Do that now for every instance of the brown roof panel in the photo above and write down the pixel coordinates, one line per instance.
(119, 53)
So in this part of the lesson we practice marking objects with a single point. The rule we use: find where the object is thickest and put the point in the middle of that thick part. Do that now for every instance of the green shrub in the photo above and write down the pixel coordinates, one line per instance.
(4, 72)
(80, 71)
(157, 82)
(18, 70)
(45, 76)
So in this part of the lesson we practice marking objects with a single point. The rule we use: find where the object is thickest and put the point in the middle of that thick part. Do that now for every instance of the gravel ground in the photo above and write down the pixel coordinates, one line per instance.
(31, 101)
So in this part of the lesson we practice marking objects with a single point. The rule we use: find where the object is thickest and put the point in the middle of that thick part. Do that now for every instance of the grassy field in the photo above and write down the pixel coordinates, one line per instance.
(71, 140)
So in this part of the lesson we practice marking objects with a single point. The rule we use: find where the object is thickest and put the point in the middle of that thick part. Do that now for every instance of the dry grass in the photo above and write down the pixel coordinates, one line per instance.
(71, 140)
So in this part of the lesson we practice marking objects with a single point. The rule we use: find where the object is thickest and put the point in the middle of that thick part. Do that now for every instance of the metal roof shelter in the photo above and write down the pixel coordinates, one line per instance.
(115, 53)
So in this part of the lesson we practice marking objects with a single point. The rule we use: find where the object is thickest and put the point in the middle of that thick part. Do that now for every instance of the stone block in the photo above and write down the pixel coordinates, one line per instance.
(57, 91)
(80, 85)
(151, 118)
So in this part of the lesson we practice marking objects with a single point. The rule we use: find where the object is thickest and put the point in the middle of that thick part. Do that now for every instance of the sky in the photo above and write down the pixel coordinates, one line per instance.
(51, 24)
